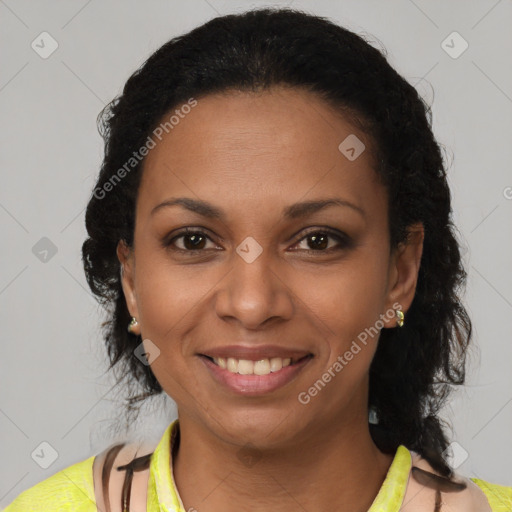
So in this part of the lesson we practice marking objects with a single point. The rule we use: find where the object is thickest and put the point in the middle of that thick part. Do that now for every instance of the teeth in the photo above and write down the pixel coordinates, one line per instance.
(247, 367)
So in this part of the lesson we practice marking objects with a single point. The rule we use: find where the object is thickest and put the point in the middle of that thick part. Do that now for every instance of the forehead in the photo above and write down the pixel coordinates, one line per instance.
(255, 150)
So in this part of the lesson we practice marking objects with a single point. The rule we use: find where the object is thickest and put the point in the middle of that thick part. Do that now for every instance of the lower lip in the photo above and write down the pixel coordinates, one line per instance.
(254, 384)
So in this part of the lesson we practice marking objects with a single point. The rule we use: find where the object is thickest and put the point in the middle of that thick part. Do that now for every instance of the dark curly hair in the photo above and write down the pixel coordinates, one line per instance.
(415, 366)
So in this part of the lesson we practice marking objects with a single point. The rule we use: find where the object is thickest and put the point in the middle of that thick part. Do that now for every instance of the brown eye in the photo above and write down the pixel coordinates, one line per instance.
(193, 241)
(320, 241)
(190, 241)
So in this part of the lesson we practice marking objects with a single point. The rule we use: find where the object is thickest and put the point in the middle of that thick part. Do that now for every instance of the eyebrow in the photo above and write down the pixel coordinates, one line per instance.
(293, 211)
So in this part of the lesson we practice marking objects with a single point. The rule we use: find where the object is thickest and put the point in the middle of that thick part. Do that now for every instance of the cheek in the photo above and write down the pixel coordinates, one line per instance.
(169, 300)
(168, 295)
(350, 308)
(352, 297)
(350, 304)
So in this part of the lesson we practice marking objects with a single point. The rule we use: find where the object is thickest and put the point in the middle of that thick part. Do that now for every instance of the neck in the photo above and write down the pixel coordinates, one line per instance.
(331, 468)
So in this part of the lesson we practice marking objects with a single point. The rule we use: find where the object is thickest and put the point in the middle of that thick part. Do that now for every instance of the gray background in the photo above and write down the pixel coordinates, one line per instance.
(53, 383)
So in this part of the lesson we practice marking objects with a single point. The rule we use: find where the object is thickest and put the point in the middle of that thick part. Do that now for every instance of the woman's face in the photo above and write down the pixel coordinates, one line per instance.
(271, 277)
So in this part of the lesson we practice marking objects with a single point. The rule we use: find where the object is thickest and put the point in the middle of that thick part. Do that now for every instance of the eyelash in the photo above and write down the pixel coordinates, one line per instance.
(344, 242)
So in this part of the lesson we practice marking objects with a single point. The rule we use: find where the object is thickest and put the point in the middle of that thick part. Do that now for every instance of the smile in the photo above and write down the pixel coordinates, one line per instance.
(248, 377)
(248, 367)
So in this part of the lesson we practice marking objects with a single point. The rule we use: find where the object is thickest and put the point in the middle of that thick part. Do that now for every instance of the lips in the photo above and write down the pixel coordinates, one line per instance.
(254, 385)
(256, 353)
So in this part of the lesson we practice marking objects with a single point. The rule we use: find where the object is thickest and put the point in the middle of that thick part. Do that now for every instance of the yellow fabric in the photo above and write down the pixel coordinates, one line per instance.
(499, 496)
(72, 489)
(391, 494)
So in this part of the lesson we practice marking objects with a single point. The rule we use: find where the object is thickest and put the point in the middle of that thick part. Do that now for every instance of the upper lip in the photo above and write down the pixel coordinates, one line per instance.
(256, 353)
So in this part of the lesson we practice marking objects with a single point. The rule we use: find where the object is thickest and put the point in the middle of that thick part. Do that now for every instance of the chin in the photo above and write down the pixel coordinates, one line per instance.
(261, 428)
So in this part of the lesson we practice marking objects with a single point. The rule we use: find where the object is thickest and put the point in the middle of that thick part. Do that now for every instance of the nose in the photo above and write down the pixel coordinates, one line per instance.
(254, 293)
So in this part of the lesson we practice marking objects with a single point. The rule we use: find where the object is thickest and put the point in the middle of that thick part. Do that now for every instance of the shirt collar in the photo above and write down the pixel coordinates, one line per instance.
(163, 495)
(162, 492)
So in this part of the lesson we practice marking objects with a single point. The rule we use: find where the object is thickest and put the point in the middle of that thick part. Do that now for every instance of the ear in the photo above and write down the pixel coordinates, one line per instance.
(403, 272)
(127, 260)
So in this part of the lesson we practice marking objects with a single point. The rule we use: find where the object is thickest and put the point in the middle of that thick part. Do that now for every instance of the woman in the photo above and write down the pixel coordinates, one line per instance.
(271, 229)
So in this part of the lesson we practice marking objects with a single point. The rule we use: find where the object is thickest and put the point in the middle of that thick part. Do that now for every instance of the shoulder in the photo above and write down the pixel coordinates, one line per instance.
(80, 487)
(499, 496)
(461, 494)
(71, 488)
(121, 473)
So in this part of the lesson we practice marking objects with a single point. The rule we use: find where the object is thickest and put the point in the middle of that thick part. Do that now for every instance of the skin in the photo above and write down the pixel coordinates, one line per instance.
(252, 155)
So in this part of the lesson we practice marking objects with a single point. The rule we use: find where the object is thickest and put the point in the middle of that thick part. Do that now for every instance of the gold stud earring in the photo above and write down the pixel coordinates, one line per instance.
(399, 317)
(133, 323)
